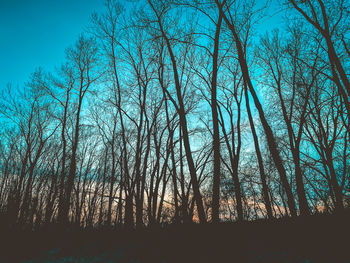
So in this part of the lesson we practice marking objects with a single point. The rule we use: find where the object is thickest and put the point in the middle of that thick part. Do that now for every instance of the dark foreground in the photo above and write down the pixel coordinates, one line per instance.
(315, 239)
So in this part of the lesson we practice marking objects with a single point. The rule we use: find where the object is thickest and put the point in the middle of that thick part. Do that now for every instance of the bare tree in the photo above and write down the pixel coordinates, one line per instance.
(83, 62)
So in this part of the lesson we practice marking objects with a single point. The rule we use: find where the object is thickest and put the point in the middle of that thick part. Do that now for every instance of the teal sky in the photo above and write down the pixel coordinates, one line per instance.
(35, 33)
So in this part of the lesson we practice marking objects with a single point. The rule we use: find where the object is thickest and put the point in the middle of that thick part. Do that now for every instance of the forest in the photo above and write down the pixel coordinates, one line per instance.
(178, 111)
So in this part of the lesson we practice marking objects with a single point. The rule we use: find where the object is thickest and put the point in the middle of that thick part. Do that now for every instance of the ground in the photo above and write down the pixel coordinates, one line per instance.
(307, 240)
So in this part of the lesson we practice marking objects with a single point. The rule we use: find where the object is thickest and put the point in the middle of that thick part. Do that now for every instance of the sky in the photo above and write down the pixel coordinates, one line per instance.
(35, 33)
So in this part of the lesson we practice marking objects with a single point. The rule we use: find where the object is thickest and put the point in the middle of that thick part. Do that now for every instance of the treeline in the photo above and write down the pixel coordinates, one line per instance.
(179, 111)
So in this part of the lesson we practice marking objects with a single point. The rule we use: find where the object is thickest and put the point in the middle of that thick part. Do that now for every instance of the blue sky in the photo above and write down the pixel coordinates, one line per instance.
(35, 33)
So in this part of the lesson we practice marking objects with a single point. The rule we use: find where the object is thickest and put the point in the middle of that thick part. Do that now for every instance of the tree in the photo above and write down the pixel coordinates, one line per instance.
(83, 60)
(224, 8)
(180, 107)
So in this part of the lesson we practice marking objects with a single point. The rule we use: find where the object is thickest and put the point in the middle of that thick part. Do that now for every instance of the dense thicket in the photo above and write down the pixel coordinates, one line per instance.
(179, 111)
